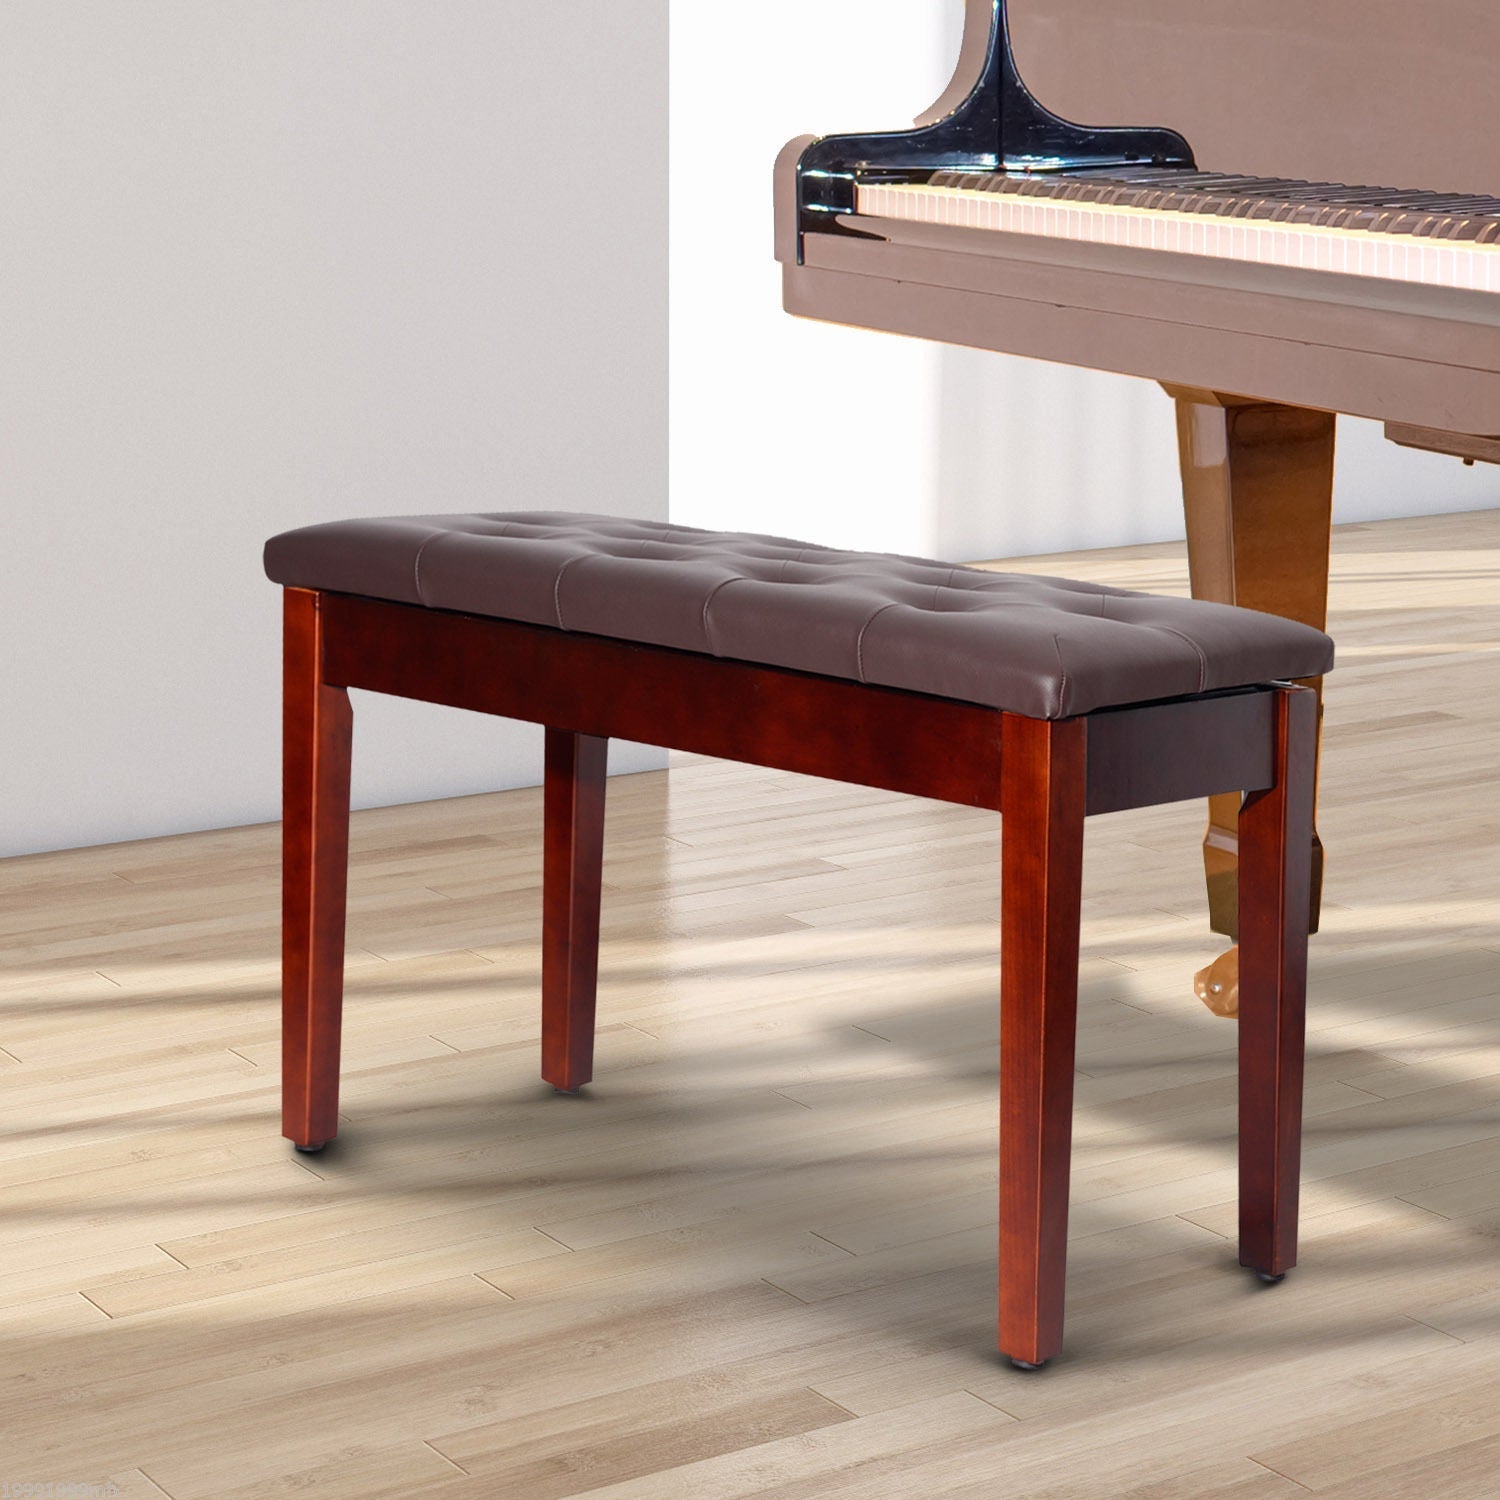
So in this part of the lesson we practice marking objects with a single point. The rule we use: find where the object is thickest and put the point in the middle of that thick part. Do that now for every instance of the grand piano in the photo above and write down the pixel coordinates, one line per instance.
(1279, 211)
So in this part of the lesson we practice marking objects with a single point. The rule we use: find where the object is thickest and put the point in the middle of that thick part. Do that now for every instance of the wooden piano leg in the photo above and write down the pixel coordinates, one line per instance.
(572, 876)
(1257, 484)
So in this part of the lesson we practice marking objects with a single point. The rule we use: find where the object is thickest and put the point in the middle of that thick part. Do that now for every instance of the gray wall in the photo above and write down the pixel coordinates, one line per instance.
(269, 262)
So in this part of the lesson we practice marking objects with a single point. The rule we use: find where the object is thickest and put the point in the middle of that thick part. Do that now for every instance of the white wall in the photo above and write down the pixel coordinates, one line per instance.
(1034, 457)
(845, 436)
(269, 262)
(780, 425)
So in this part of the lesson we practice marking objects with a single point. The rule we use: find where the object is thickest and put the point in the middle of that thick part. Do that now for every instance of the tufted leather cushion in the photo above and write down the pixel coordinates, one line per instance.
(1045, 647)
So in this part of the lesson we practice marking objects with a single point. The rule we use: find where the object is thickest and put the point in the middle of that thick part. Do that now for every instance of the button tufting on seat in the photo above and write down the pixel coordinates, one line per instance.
(1045, 647)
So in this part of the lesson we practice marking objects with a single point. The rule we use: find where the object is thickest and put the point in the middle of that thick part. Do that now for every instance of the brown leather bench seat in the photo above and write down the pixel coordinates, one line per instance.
(1044, 647)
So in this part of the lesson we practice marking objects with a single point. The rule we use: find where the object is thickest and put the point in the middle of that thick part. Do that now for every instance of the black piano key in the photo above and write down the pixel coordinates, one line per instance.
(1422, 214)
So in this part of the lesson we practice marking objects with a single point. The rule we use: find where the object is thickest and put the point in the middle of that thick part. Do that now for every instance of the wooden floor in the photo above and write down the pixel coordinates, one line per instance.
(756, 1258)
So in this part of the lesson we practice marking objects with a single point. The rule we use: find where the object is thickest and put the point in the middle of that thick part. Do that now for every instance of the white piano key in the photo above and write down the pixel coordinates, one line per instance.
(1307, 246)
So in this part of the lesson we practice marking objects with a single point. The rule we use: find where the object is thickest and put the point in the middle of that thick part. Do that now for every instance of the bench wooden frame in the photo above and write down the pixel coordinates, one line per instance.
(1043, 776)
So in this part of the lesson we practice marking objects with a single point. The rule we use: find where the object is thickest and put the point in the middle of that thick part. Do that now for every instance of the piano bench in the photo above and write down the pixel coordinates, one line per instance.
(1042, 699)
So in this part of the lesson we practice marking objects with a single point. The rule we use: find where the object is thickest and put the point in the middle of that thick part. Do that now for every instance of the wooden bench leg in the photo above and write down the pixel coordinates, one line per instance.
(572, 867)
(1275, 831)
(1042, 812)
(316, 738)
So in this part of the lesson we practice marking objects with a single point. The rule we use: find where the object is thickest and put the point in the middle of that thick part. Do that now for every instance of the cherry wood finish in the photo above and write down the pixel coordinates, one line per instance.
(771, 716)
(1274, 827)
(572, 868)
(818, 726)
(1043, 776)
(317, 735)
(1041, 880)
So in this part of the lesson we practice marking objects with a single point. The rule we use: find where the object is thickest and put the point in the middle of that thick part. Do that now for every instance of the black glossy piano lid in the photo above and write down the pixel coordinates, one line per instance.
(1376, 210)
(999, 126)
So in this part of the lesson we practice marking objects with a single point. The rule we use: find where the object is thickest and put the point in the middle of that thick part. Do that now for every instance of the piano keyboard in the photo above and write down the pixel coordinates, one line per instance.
(1432, 239)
